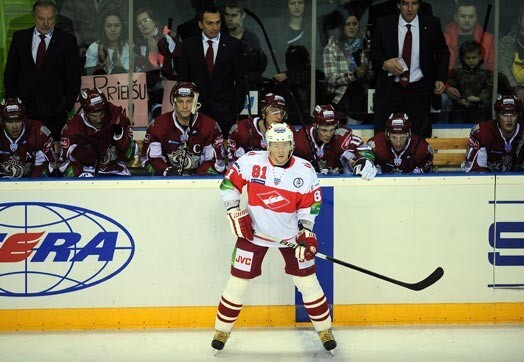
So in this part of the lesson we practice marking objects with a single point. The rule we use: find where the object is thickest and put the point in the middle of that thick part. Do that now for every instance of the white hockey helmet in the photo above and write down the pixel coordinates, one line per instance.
(282, 134)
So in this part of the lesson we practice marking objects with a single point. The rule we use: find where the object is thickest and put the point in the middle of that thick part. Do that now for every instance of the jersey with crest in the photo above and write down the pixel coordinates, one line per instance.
(86, 150)
(335, 157)
(277, 197)
(387, 160)
(30, 155)
(489, 150)
(245, 136)
(193, 150)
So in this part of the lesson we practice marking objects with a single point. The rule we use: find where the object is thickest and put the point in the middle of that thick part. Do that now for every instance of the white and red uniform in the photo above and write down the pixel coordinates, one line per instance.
(387, 160)
(336, 156)
(278, 197)
(245, 136)
(489, 150)
(30, 154)
(84, 148)
(194, 150)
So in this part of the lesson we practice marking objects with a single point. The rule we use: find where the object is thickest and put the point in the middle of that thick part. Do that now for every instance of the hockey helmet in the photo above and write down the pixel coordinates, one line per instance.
(324, 115)
(12, 109)
(183, 89)
(279, 132)
(508, 104)
(398, 123)
(274, 101)
(93, 100)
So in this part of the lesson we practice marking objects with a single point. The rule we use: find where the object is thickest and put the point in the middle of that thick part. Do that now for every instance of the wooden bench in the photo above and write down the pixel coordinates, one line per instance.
(449, 154)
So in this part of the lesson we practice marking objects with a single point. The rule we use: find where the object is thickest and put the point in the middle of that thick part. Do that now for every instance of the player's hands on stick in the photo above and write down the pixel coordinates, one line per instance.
(240, 223)
(365, 168)
(307, 245)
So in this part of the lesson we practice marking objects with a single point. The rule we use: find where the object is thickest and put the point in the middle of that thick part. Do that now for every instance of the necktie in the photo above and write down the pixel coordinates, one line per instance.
(40, 53)
(406, 55)
(209, 57)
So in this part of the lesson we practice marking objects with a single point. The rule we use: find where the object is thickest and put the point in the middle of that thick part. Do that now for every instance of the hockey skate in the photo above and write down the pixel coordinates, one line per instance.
(219, 340)
(327, 339)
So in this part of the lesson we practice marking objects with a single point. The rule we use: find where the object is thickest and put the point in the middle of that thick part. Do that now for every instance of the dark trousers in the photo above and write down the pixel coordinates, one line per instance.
(413, 99)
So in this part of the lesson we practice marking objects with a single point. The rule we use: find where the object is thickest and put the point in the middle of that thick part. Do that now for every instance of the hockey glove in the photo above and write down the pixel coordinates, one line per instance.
(307, 245)
(366, 169)
(240, 222)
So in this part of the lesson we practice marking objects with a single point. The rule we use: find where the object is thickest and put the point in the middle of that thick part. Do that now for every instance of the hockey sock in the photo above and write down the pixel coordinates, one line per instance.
(231, 303)
(315, 301)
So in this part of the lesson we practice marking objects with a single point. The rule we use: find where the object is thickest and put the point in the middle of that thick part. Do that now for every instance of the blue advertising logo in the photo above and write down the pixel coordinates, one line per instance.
(49, 248)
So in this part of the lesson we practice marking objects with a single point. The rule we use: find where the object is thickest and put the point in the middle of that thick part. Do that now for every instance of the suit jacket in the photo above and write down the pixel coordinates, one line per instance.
(433, 52)
(389, 7)
(49, 93)
(222, 93)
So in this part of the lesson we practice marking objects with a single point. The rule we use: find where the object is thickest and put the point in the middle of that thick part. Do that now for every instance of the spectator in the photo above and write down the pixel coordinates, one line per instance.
(254, 57)
(47, 84)
(153, 51)
(85, 16)
(26, 146)
(464, 28)
(470, 87)
(512, 56)
(284, 198)
(98, 141)
(249, 134)
(213, 61)
(408, 89)
(398, 151)
(109, 54)
(497, 145)
(334, 149)
(183, 141)
(346, 67)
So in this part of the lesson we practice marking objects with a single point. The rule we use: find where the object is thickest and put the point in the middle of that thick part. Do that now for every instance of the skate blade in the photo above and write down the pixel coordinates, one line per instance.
(332, 352)
(215, 351)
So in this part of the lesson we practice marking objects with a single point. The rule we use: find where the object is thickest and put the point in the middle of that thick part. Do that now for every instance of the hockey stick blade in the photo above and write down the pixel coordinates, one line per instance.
(423, 284)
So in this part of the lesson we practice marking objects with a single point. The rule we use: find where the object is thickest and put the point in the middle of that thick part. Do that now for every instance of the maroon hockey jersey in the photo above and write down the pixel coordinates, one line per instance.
(387, 160)
(488, 150)
(30, 155)
(88, 151)
(194, 150)
(245, 136)
(334, 157)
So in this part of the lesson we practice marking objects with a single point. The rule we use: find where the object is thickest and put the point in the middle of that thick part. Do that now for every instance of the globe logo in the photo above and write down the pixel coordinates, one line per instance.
(50, 248)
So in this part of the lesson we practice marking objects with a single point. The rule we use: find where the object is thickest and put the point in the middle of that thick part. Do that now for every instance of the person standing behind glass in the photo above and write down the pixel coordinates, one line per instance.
(109, 54)
(346, 67)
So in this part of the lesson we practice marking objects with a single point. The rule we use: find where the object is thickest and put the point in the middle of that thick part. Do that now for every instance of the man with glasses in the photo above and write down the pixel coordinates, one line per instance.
(336, 150)
(398, 151)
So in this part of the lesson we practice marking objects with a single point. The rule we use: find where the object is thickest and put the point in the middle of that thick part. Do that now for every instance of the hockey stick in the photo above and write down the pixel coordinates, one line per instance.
(423, 284)
(257, 19)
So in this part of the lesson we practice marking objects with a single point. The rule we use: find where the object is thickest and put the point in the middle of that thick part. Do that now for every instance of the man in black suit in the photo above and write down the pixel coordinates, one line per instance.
(47, 84)
(220, 75)
(427, 74)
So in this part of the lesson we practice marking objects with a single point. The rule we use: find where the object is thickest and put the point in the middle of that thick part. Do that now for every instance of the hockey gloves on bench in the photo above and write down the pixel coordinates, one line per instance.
(240, 222)
(307, 245)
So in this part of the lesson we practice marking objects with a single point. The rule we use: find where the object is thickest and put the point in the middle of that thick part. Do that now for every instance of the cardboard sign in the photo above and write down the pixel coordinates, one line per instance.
(118, 92)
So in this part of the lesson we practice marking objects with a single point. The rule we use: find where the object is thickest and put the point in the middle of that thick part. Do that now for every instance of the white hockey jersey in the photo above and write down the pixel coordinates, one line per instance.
(277, 197)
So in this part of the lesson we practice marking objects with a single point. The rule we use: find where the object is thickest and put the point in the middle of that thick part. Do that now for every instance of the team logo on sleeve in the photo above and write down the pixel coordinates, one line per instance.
(298, 182)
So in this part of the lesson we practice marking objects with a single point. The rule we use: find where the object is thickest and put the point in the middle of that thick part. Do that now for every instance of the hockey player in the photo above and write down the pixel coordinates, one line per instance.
(284, 197)
(395, 148)
(249, 134)
(183, 141)
(26, 146)
(337, 149)
(98, 141)
(497, 145)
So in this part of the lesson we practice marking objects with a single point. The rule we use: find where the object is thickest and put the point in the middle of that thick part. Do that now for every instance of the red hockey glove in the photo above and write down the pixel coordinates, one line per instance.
(307, 245)
(240, 223)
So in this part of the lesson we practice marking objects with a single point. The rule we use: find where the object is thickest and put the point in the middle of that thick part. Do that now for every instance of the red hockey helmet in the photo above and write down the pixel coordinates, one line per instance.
(508, 104)
(398, 123)
(93, 100)
(12, 109)
(183, 89)
(324, 115)
(273, 100)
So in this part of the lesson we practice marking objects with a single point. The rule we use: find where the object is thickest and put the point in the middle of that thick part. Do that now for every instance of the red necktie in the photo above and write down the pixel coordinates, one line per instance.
(209, 57)
(406, 55)
(40, 53)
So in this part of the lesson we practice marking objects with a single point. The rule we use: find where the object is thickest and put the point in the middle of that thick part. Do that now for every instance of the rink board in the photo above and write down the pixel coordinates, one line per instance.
(154, 253)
